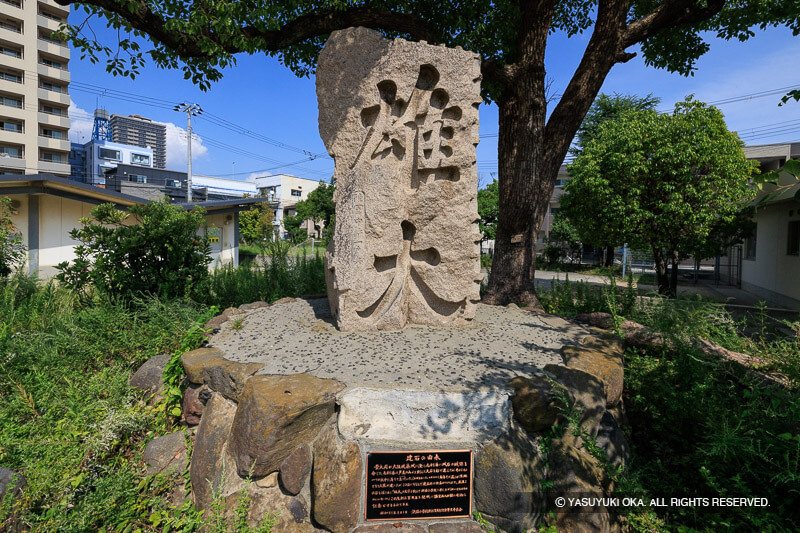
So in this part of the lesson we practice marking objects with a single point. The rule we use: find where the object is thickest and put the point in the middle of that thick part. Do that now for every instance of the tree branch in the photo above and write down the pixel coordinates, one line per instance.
(669, 15)
(141, 17)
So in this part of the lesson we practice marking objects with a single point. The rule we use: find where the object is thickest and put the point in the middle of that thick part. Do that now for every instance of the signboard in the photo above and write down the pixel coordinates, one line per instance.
(418, 485)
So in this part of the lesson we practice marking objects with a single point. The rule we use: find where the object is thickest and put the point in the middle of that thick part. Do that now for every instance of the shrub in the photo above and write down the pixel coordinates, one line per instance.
(160, 254)
(12, 249)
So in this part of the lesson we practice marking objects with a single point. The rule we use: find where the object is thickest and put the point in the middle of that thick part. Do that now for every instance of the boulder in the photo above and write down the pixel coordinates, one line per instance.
(148, 378)
(336, 482)
(391, 527)
(507, 480)
(276, 415)
(575, 472)
(586, 391)
(211, 468)
(10, 480)
(455, 527)
(166, 454)
(208, 366)
(295, 469)
(613, 441)
(215, 323)
(192, 404)
(536, 407)
(253, 305)
(602, 358)
(290, 514)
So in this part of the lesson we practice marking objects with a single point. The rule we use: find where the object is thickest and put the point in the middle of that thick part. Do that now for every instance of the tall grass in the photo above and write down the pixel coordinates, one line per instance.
(702, 426)
(276, 276)
(68, 420)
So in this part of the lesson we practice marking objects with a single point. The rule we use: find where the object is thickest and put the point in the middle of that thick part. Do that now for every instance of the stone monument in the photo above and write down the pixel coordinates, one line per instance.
(401, 120)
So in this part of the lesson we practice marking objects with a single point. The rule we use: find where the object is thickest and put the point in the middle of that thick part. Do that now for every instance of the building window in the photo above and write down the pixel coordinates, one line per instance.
(52, 158)
(53, 64)
(297, 192)
(108, 153)
(173, 183)
(11, 126)
(11, 25)
(53, 134)
(13, 52)
(10, 171)
(10, 102)
(750, 245)
(11, 151)
(10, 76)
(50, 16)
(57, 111)
(137, 178)
(140, 159)
(793, 247)
(554, 210)
(560, 182)
(53, 87)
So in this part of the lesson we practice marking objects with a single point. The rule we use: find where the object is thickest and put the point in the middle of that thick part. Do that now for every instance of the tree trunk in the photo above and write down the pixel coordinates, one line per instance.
(673, 279)
(609, 256)
(661, 271)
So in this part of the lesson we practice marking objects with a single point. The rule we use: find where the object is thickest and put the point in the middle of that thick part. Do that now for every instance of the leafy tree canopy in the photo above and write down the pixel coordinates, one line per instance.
(666, 182)
(610, 107)
(488, 210)
(318, 206)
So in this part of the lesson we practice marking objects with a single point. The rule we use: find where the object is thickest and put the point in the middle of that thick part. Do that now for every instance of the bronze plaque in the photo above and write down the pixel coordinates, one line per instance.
(418, 485)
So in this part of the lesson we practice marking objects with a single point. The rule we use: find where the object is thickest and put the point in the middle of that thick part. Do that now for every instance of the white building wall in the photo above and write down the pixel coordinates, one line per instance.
(773, 270)
(229, 187)
(282, 185)
(97, 165)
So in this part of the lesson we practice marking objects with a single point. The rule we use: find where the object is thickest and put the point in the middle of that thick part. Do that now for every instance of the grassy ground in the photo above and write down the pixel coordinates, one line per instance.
(68, 420)
(701, 426)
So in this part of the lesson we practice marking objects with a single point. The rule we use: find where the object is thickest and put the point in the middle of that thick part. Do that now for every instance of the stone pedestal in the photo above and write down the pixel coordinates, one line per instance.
(298, 405)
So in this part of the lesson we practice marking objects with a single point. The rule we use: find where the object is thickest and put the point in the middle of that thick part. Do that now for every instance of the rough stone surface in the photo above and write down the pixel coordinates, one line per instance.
(216, 322)
(600, 357)
(455, 527)
(536, 406)
(148, 378)
(276, 414)
(507, 478)
(586, 392)
(290, 513)
(209, 366)
(401, 121)
(613, 441)
(575, 472)
(294, 469)
(336, 482)
(211, 467)
(268, 481)
(422, 416)
(299, 337)
(393, 527)
(166, 454)
(6, 476)
(192, 404)
(253, 305)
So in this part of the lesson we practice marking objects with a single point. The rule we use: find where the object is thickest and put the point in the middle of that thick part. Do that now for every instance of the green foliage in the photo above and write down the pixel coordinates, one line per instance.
(318, 207)
(489, 210)
(292, 224)
(610, 108)
(255, 224)
(12, 249)
(219, 522)
(67, 416)
(701, 425)
(160, 253)
(667, 182)
(279, 275)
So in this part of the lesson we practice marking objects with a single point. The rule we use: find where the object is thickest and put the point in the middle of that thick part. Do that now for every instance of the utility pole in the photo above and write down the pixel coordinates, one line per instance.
(190, 109)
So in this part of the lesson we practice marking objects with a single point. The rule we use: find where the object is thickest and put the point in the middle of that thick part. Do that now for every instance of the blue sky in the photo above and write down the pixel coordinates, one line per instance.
(266, 99)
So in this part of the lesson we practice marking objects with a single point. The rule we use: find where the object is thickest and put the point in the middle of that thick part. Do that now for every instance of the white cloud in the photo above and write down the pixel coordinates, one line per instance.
(176, 147)
(80, 124)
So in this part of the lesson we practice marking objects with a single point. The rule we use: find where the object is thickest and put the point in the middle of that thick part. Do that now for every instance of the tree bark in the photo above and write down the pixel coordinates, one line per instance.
(673, 279)
(609, 256)
(661, 270)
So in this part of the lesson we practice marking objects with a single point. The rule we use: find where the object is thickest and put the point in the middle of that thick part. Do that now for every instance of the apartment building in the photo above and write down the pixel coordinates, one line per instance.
(34, 82)
(137, 130)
